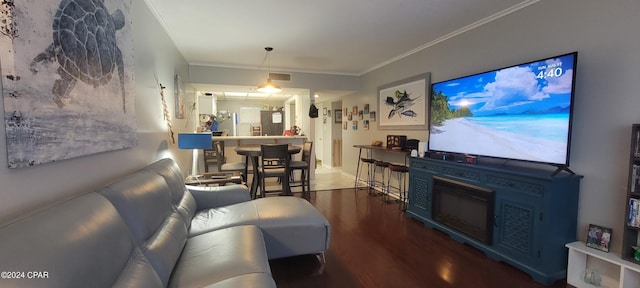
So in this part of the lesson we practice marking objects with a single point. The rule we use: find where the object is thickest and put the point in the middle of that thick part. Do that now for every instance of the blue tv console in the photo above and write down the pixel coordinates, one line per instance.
(534, 213)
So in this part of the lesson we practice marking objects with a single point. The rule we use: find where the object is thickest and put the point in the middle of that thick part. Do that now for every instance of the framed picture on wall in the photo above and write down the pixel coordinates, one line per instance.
(324, 111)
(404, 104)
(338, 116)
(179, 93)
(50, 86)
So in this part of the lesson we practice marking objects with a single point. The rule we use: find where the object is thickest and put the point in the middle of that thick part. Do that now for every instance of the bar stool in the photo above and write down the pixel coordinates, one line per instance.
(375, 183)
(401, 171)
(369, 162)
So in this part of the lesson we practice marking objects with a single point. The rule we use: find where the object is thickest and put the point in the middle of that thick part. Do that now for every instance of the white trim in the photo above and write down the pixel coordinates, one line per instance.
(158, 17)
(455, 33)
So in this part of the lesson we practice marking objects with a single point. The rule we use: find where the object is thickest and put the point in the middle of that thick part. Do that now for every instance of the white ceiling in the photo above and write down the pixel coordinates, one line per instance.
(345, 37)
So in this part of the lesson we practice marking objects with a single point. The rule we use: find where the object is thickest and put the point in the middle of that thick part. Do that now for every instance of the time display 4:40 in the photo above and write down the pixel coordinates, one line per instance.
(555, 72)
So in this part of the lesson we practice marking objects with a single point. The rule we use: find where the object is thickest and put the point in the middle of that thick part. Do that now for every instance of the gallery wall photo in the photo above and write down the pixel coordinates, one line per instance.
(67, 78)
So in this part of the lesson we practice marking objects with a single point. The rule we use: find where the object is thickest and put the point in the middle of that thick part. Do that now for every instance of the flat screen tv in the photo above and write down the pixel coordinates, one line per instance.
(520, 112)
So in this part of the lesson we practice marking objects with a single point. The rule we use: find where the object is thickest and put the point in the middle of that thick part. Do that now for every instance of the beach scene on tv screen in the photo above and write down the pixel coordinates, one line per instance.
(521, 112)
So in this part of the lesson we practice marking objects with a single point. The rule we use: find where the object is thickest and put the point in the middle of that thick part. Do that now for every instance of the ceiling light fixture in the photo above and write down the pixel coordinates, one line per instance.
(269, 87)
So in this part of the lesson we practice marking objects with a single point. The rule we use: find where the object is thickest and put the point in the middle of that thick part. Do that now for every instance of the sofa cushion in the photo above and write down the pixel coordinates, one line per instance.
(143, 199)
(207, 220)
(81, 242)
(170, 171)
(220, 255)
(217, 196)
(290, 225)
(252, 280)
(180, 198)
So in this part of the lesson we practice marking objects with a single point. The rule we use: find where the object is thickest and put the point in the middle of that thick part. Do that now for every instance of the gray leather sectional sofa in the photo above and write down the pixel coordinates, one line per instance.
(148, 230)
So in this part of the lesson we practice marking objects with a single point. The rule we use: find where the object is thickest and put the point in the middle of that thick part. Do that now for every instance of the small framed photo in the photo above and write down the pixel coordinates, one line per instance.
(324, 111)
(338, 117)
(599, 237)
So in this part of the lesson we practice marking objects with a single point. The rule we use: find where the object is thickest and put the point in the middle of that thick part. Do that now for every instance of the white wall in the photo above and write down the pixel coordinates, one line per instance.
(29, 188)
(606, 35)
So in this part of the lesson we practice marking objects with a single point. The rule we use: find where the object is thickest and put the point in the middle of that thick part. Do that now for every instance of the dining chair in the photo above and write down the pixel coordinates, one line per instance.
(210, 158)
(304, 165)
(223, 166)
(274, 163)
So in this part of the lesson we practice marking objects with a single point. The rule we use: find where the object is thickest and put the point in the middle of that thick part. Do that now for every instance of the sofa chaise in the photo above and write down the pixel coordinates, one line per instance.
(148, 229)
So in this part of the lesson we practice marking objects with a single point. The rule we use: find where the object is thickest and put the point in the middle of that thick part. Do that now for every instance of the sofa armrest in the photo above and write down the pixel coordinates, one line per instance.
(218, 196)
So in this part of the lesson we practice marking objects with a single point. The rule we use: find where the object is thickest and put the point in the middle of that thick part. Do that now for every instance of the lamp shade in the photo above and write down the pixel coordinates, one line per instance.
(269, 87)
(194, 141)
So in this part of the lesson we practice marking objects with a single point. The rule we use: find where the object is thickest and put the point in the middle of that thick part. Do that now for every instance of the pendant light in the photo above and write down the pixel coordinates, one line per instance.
(269, 87)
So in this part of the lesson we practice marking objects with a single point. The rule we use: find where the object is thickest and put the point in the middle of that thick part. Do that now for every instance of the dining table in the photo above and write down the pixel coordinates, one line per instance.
(254, 152)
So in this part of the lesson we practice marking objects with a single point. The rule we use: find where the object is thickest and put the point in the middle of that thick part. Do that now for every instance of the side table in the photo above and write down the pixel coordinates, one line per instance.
(208, 179)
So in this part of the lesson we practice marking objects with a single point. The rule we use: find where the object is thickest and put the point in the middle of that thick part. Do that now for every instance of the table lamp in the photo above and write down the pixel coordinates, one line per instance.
(194, 141)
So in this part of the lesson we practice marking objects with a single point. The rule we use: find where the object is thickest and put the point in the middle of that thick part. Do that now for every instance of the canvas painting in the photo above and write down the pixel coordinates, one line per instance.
(179, 91)
(403, 104)
(67, 78)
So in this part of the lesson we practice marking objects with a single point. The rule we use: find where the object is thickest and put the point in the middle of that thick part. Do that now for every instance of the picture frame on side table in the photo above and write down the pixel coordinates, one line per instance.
(404, 104)
(599, 237)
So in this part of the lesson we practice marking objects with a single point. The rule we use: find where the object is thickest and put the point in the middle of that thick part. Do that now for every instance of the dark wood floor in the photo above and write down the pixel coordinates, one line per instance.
(374, 245)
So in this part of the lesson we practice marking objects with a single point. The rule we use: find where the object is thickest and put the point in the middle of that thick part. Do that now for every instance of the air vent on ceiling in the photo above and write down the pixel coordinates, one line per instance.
(280, 77)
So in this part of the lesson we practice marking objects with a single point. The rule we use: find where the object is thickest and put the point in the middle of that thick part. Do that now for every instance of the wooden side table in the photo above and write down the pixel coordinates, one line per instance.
(212, 179)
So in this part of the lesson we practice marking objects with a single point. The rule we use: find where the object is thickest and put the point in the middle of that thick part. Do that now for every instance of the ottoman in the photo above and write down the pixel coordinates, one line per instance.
(291, 226)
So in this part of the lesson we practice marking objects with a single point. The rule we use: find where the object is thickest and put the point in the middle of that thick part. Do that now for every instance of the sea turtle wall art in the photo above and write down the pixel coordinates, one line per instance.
(67, 78)
(84, 45)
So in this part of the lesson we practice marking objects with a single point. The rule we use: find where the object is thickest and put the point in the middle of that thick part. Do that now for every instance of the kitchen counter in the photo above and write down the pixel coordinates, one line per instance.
(259, 139)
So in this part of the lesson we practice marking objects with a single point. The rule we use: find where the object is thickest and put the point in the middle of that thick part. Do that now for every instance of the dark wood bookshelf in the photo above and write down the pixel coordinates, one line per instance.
(631, 233)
